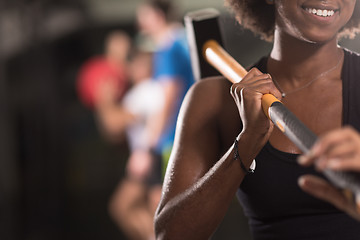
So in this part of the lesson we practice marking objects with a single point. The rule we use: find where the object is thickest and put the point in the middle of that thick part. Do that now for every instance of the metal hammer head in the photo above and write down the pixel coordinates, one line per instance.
(201, 26)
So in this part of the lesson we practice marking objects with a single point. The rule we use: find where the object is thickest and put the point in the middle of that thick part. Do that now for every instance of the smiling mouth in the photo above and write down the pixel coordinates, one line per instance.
(321, 12)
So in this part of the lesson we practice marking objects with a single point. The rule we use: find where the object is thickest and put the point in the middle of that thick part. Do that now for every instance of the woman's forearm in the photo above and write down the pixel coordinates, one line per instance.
(196, 213)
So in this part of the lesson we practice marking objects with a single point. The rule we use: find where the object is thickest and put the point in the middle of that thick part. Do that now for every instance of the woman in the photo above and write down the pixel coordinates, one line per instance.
(208, 166)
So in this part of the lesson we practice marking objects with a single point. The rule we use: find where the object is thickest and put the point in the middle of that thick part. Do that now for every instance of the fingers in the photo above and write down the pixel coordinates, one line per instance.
(255, 82)
(252, 73)
(248, 95)
(321, 189)
(337, 150)
(276, 92)
(253, 78)
(345, 164)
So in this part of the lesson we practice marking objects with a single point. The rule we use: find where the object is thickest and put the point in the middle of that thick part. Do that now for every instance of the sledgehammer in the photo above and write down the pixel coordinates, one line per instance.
(204, 37)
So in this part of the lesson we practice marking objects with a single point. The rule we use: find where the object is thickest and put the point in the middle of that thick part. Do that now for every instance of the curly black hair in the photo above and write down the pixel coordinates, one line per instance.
(259, 17)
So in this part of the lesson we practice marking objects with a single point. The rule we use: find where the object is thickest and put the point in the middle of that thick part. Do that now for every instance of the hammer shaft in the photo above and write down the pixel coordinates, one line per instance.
(284, 119)
(203, 26)
(287, 122)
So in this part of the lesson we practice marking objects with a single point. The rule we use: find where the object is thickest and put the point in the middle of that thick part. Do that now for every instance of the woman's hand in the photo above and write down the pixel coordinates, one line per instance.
(322, 189)
(338, 150)
(247, 95)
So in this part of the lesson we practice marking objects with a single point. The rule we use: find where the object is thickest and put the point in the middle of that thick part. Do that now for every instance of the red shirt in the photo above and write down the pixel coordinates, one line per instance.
(92, 73)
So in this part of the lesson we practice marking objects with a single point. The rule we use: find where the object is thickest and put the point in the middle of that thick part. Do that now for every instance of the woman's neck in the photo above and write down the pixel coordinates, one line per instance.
(297, 60)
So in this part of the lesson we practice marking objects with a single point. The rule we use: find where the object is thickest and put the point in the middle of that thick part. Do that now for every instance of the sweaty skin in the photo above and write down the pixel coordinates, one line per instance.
(202, 176)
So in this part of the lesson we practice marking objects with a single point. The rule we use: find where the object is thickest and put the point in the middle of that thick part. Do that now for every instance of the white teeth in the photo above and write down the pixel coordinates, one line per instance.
(321, 12)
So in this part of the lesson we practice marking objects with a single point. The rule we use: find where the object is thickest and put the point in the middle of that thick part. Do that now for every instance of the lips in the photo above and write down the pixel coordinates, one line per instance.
(321, 12)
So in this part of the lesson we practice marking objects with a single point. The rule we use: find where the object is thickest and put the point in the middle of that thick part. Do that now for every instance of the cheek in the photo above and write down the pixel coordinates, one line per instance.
(351, 3)
(285, 19)
(350, 7)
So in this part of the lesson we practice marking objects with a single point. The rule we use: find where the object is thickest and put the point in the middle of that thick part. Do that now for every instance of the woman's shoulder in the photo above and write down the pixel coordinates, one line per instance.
(215, 83)
(212, 88)
(209, 96)
(211, 104)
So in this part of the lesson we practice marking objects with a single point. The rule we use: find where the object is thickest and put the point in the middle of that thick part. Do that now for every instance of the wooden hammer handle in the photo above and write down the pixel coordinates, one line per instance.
(231, 69)
(286, 121)
(223, 62)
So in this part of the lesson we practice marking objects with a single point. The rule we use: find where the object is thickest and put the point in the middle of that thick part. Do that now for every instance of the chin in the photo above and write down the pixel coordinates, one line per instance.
(317, 36)
(320, 39)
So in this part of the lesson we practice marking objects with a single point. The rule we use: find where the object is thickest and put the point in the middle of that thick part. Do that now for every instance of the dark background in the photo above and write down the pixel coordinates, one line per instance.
(56, 171)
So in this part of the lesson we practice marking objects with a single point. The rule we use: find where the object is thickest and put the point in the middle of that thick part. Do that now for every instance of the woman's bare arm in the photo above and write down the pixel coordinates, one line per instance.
(200, 183)
(196, 193)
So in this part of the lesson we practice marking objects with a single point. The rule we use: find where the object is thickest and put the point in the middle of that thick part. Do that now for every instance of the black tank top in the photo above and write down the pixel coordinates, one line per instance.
(272, 200)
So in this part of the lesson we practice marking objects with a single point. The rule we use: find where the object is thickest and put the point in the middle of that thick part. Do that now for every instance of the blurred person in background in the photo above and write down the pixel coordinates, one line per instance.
(125, 100)
(171, 68)
(134, 202)
(102, 82)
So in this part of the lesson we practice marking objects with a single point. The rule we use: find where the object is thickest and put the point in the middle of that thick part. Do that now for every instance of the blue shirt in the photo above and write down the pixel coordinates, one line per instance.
(172, 63)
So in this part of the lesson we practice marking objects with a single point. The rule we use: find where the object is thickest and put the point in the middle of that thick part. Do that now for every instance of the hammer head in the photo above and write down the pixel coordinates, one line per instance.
(201, 26)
